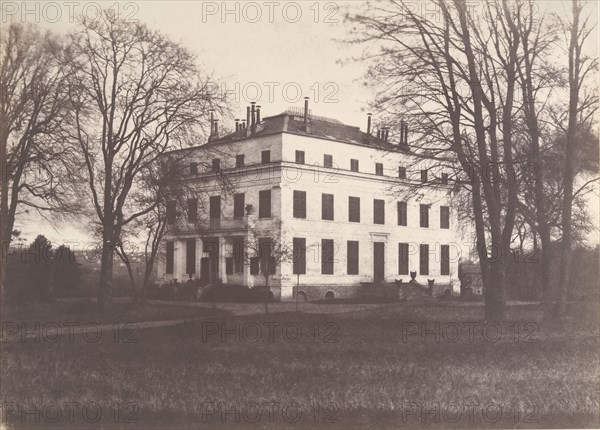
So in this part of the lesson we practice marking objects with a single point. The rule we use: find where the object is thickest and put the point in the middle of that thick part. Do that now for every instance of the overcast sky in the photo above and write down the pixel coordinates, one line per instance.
(272, 52)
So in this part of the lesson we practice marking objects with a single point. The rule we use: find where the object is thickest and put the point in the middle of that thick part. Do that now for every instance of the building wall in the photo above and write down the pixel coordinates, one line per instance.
(283, 176)
(343, 183)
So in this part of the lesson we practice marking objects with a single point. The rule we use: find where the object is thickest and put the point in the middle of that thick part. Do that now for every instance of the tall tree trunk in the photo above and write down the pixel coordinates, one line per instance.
(574, 69)
(106, 270)
(267, 293)
(5, 229)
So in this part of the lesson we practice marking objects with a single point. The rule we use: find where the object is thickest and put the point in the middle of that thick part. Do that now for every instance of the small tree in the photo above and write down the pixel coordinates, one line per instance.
(267, 253)
(67, 273)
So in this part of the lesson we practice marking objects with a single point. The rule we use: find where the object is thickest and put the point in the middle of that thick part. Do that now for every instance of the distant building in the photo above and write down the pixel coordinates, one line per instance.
(327, 188)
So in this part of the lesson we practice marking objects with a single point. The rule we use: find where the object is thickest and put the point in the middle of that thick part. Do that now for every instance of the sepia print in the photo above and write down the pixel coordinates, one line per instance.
(299, 214)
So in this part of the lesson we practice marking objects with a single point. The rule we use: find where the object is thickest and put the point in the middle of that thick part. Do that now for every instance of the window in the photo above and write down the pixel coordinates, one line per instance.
(265, 157)
(402, 172)
(239, 160)
(424, 176)
(193, 168)
(354, 165)
(424, 215)
(216, 165)
(254, 266)
(424, 259)
(264, 204)
(239, 201)
(445, 261)
(403, 258)
(215, 207)
(444, 178)
(238, 254)
(170, 257)
(267, 262)
(328, 160)
(190, 256)
(379, 169)
(327, 256)
(171, 212)
(402, 213)
(299, 255)
(327, 207)
(444, 217)
(354, 209)
(352, 257)
(299, 204)
(300, 157)
(378, 211)
(192, 210)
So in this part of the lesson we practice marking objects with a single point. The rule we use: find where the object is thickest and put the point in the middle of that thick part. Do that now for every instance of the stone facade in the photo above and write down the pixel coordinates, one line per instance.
(299, 160)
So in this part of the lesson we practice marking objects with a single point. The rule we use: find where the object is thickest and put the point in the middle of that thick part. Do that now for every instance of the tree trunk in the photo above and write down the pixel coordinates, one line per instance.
(5, 231)
(495, 293)
(267, 293)
(106, 271)
(565, 256)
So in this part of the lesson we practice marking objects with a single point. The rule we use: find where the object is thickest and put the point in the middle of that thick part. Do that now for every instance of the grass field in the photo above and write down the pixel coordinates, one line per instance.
(378, 368)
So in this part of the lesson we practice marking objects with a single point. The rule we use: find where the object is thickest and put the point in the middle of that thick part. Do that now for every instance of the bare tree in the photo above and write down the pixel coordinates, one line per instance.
(169, 180)
(579, 114)
(453, 76)
(37, 164)
(135, 95)
(267, 252)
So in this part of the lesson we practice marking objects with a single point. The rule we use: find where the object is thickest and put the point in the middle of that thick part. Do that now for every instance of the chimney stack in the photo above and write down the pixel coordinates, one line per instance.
(253, 114)
(369, 124)
(216, 133)
(402, 132)
(212, 122)
(243, 124)
(406, 134)
(257, 114)
(247, 124)
(306, 114)
(378, 134)
(237, 124)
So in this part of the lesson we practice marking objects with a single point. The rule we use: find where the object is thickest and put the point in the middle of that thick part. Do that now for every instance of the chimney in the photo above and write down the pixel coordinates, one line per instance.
(212, 122)
(237, 124)
(257, 114)
(216, 133)
(378, 134)
(253, 113)
(402, 132)
(243, 124)
(406, 134)
(247, 117)
(387, 134)
(306, 114)
(369, 124)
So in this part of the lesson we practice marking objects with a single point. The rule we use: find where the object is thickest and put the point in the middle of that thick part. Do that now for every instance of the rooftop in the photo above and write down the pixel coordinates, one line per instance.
(292, 121)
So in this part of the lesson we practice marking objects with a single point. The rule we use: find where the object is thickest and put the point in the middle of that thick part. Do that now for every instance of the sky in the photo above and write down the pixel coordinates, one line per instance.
(271, 52)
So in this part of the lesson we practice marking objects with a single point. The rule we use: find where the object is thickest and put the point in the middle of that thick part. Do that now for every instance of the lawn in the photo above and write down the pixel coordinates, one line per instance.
(376, 367)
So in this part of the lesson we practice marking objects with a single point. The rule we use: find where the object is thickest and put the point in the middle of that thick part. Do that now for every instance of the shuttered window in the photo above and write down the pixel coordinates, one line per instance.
(378, 211)
(327, 256)
(354, 209)
(299, 204)
(352, 261)
(299, 255)
(424, 259)
(239, 202)
(327, 207)
(402, 213)
(264, 204)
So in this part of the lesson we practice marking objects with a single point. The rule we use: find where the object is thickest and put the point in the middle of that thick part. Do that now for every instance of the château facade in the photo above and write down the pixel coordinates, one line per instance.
(330, 191)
